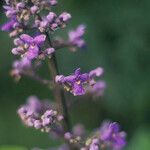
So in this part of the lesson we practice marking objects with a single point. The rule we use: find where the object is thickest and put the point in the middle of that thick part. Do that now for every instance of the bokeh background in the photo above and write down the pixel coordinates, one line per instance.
(118, 39)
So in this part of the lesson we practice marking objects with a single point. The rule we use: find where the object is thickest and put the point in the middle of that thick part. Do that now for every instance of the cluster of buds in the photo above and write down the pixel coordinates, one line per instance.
(78, 83)
(51, 22)
(39, 115)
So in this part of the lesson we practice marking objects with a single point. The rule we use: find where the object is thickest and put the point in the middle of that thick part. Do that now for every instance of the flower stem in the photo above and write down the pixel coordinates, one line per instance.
(58, 92)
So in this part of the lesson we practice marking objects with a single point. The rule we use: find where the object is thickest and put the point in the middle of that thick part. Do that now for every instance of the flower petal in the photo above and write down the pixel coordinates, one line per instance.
(26, 38)
(40, 39)
(78, 89)
(32, 52)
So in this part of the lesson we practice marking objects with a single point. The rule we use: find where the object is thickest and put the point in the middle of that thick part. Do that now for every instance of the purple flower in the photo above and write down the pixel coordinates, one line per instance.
(77, 82)
(28, 46)
(34, 9)
(74, 83)
(76, 36)
(10, 11)
(38, 40)
(20, 6)
(51, 17)
(110, 133)
(37, 124)
(94, 145)
(68, 135)
(48, 117)
(8, 26)
(96, 72)
(49, 51)
(65, 17)
(53, 2)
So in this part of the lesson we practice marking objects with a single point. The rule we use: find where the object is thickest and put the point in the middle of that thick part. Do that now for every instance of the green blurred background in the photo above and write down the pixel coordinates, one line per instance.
(118, 38)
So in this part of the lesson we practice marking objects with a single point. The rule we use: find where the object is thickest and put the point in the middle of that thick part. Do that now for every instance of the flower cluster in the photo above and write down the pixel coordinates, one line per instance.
(108, 136)
(39, 115)
(28, 46)
(31, 47)
(77, 82)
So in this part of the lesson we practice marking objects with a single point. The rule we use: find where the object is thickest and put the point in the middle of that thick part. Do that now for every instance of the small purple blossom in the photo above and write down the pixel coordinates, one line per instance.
(77, 82)
(49, 51)
(76, 36)
(53, 2)
(9, 26)
(10, 11)
(34, 9)
(96, 72)
(67, 135)
(51, 17)
(65, 17)
(74, 83)
(95, 145)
